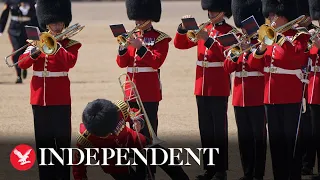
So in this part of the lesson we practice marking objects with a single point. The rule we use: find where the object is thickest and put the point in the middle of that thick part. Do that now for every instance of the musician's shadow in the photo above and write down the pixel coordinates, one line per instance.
(10, 83)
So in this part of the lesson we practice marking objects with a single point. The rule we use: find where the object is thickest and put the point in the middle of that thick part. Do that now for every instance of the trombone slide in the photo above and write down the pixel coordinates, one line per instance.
(12, 54)
(128, 85)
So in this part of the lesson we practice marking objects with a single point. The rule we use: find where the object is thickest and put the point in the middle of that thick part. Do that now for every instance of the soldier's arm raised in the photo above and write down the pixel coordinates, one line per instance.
(4, 17)
(181, 40)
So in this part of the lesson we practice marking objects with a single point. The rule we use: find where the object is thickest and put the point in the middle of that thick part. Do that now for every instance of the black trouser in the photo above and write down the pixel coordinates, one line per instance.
(52, 126)
(282, 126)
(315, 116)
(213, 125)
(17, 42)
(152, 112)
(122, 176)
(252, 139)
(174, 172)
(308, 150)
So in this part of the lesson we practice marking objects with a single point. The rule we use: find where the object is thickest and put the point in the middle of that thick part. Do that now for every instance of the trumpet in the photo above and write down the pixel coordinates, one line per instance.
(47, 43)
(266, 34)
(123, 39)
(192, 34)
(126, 85)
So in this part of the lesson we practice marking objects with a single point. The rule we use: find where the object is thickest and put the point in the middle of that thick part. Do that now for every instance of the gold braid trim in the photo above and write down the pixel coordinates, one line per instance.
(123, 107)
(298, 34)
(162, 36)
(83, 140)
(71, 43)
(281, 41)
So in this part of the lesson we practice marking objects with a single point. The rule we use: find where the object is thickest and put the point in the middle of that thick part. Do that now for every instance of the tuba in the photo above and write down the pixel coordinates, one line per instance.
(47, 43)
(192, 34)
(123, 39)
(127, 84)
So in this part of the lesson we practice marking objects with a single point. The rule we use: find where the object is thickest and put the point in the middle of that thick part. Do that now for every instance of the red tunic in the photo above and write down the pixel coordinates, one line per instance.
(47, 91)
(210, 81)
(314, 77)
(128, 138)
(283, 88)
(248, 87)
(152, 57)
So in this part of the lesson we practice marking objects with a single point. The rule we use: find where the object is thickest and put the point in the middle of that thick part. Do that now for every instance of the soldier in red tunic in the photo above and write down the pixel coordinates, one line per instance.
(314, 85)
(308, 150)
(50, 86)
(248, 94)
(212, 84)
(22, 13)
(146, 53)
(104, 126)
(282, 63)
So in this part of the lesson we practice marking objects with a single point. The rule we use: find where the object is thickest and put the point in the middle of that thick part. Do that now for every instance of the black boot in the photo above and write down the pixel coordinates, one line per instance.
(317, 177)
(257, 178)
(150, 177)
(220, 176)
(24, 73)
(246, 178)
(208, 175)
(19, 80)
(306, 171)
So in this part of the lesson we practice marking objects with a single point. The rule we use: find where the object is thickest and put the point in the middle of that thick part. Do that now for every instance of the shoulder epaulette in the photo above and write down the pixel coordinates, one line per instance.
(162, 36)
(280, 39)
(71, 43)
(123, 107)
(83, 141)
(298, 34)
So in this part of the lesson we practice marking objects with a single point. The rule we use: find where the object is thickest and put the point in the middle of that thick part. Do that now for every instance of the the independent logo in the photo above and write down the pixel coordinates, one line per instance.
(22, 157)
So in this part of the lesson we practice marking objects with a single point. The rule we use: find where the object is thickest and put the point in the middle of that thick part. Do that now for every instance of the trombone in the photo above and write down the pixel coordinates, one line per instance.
(47, 43)
(313, 35)
(266, 34)
(129, 85)
(123, 39)
(236, 49)
(192, 34)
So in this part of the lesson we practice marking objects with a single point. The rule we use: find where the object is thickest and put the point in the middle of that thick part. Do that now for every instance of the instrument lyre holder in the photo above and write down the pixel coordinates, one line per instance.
(131, 94)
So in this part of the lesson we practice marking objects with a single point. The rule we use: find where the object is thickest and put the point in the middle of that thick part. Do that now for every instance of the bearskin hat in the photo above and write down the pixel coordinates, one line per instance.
(242, 9)
(314, 6)
(144, 10)
(303, 7)
(50, 11)
(286, 8)
(217, 6)
(100, 117)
